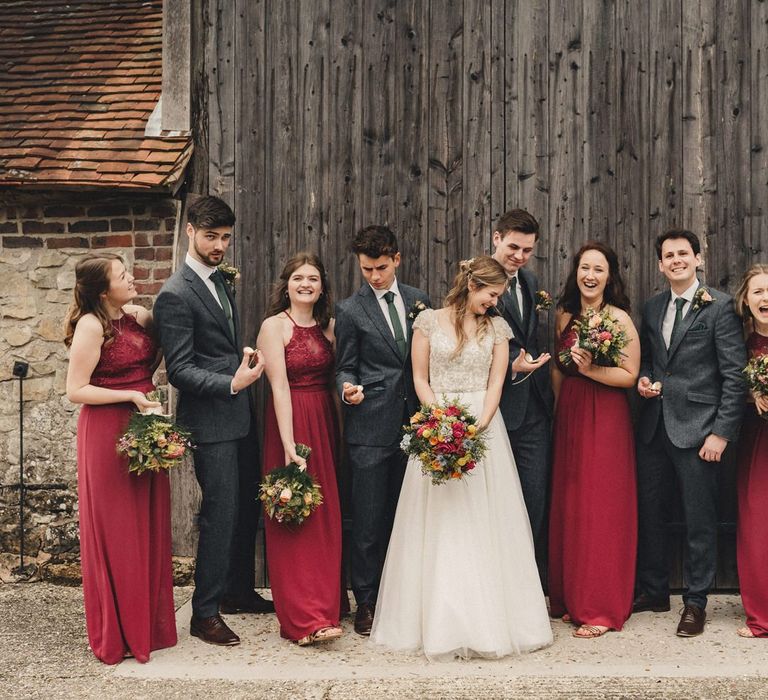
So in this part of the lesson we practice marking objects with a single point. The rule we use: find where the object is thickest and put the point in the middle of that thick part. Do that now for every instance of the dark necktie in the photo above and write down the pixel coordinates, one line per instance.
(679, 304)
(513, 301)
(396, 325)
(221, 292)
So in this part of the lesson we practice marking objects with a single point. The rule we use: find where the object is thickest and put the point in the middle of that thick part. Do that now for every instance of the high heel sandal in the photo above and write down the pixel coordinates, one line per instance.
(324, 634)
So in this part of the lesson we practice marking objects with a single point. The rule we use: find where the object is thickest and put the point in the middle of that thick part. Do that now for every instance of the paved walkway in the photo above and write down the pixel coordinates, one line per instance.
(43, 653)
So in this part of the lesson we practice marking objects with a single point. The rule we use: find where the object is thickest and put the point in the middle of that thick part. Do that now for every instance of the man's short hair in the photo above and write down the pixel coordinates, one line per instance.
(517, 220)
(210, 212)
(375, 241)
(673, 233)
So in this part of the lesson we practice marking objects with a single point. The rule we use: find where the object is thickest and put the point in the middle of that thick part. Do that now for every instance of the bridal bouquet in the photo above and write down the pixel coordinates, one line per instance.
(445, 439)
(288, 493)
(153, 442)
(756, 372)
(601, 334)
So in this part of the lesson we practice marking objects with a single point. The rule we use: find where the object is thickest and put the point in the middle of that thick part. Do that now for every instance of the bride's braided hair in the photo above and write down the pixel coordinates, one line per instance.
(481, 271)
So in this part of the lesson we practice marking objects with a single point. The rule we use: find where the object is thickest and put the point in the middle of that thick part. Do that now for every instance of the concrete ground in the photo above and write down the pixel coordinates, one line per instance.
(43, 653)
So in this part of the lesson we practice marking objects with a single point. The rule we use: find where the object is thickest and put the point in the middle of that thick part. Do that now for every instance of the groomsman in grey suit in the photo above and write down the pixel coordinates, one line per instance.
(373, 376)
(526, 399)
(199, 332)
(693, 389)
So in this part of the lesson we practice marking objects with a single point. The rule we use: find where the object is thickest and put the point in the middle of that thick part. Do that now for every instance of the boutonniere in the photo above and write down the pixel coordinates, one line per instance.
(544, 300)
(230, 274)
(701, 298)
(416, 309)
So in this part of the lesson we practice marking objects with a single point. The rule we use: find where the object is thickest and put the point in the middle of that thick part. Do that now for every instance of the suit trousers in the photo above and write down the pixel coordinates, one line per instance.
(377, 475)
(225, 549)
(658, 463)
(531, 444)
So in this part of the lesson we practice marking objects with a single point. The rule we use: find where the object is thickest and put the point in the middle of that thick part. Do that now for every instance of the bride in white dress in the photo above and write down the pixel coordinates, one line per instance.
(460, 577)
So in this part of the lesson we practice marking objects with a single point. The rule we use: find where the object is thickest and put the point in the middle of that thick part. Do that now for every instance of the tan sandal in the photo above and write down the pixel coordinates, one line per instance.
(590, 631)
(324, 634)
(745, 632)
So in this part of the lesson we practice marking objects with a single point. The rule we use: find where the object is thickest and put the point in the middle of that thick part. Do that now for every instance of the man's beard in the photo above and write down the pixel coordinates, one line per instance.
(207, 259)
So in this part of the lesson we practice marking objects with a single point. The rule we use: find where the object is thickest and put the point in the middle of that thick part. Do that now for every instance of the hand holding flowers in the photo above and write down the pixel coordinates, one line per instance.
(756, 372)
(447, 440)
(597, 336)
(289, 493)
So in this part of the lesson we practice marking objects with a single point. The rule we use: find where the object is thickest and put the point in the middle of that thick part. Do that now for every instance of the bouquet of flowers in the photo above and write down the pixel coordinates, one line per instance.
(601, 334)
(445, 439)
(288, 493)
(757, 376)
(153, 442)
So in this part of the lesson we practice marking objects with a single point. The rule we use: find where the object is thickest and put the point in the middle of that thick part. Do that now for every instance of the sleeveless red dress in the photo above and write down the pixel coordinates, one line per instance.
(752, 490)
(593, 518)
(125, 521)
(305, 562)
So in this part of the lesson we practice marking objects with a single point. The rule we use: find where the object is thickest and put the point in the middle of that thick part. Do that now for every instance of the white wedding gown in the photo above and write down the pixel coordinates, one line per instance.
(460, 577)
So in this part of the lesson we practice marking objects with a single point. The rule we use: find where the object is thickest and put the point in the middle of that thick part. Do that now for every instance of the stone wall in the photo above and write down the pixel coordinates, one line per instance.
(42, 236)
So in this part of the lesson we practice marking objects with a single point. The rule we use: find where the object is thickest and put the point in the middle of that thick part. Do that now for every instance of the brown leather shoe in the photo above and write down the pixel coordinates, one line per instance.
(213, 630)
(644, 603)
(691, 621)
(249, 603)
(364, 618)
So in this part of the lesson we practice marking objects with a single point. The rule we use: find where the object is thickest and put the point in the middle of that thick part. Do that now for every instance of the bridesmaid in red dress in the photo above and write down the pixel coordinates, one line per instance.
(593, 520)
(752, 482)
(125, 525)
(298, 345)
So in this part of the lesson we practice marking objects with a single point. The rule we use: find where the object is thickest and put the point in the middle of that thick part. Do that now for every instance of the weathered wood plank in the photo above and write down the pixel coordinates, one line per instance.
(476, 109)
(498, 79)
(445, 144)
(632, 241)
(758, 229)
(599, 174)
(700, 126)
(411, 138)
(664, 110)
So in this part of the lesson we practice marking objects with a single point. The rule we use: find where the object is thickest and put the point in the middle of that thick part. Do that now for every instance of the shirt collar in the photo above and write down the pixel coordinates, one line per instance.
(688, 293)
(381, 292)
(202, 270)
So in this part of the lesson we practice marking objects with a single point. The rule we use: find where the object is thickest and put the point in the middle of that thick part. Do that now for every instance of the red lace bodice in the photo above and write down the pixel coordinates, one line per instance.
(566, 340)
(309, 361)
(126, 363)
(757, 345)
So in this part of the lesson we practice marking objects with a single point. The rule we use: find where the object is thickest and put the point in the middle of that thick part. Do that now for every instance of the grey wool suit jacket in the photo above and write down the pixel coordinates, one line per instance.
(366, 353)
(703, 387)
(201, 357)
(515, 397)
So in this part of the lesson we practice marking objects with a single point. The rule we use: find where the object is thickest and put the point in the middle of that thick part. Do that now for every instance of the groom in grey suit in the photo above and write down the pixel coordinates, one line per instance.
(526, 398)
(693, 389)
(373, 376)
(199, 331)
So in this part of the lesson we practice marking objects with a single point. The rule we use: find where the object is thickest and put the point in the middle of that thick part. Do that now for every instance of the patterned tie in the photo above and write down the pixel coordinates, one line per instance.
(221, 292)
(679, 304)
(513, 299)
(396, 325)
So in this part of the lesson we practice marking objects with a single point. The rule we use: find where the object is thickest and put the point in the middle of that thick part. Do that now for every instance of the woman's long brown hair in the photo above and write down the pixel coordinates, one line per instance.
(279, 302)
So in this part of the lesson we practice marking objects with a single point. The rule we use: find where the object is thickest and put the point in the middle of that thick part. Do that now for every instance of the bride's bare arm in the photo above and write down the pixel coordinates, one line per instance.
(499, 365)
(420, 364)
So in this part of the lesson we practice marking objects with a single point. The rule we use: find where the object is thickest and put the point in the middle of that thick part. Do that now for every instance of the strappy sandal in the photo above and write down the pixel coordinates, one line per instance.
(745, 632)
(590, 631)
(324, 634)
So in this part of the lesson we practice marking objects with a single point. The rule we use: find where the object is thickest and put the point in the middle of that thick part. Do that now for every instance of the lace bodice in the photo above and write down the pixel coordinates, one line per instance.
(757, 345)
(126, 363)
(469, 370)
(309, 359)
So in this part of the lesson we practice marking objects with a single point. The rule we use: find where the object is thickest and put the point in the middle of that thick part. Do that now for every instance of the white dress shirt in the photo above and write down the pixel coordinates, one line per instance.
(204, 272)
(399, 305)
(669, 316)
(519, 295)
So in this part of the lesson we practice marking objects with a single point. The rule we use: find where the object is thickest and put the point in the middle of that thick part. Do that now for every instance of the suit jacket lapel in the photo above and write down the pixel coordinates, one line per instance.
(198, 287)
(370, 305)
(510, 317)
(682, 329)
(530, 294)
(658, 322)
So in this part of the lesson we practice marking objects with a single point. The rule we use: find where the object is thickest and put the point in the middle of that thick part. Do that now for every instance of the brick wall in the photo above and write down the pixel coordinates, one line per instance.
(42, 236)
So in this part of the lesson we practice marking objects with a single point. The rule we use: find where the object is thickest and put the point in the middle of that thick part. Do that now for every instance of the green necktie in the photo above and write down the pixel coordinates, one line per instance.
(396, 325)
(221, 292)
(679, 304)
(513, 298)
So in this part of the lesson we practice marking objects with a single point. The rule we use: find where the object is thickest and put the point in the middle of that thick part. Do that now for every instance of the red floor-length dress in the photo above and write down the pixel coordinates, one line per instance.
(593, 520)
(125, 520)
(305, 561)
(752, 488)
